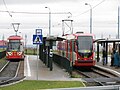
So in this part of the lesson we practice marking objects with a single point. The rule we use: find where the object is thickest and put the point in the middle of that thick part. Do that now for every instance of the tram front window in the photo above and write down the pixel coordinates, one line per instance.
(14, 45)
(85, 45)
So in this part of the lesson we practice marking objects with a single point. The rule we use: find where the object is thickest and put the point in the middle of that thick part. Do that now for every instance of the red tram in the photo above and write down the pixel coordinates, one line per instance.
(15, 48)
(78, 48)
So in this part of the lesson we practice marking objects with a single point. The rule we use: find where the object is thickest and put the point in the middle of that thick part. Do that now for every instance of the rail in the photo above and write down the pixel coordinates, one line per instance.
(11, 79)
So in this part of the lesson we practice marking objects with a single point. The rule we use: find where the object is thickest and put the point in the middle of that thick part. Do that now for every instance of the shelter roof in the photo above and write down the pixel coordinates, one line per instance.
(52, 38)
(107, 40)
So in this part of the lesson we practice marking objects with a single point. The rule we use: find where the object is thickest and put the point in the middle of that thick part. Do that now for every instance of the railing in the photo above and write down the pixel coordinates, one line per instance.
(2, 54)
(62, 61)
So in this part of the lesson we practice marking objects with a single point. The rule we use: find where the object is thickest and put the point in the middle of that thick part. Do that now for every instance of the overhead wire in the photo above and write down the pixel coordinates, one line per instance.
(9, 12)
(92, 8)
(7, 8)
(35, 12)
(39, 12)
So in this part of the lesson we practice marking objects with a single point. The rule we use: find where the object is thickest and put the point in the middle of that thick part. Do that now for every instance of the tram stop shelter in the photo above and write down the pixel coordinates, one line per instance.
(105, 43)
(46, 54)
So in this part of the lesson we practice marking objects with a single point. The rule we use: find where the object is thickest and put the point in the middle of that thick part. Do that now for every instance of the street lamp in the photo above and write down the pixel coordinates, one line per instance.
(90, 17)
(118, 20)
(49, 20)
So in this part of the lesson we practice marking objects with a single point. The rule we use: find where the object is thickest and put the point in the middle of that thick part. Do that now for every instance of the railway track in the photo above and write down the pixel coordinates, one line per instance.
(98, 76)
(104, 73)
(10, 72)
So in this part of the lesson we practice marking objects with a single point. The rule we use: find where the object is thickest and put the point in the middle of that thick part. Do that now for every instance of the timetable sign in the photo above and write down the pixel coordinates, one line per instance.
(38, 31)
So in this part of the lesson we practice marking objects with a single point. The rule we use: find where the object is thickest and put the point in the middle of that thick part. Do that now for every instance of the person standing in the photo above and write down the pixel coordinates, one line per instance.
(116, 59)
(104, 56)
(112, 57)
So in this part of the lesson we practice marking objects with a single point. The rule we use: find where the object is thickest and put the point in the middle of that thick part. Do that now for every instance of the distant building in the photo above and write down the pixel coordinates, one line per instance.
(3, 44)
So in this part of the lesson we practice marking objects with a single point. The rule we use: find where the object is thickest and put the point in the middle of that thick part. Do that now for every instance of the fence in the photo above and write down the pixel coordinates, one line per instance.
(2, 54)
(63, 62)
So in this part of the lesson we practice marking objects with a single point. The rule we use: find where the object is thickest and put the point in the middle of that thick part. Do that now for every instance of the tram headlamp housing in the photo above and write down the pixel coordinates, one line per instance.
(19, 53)
(9, 53)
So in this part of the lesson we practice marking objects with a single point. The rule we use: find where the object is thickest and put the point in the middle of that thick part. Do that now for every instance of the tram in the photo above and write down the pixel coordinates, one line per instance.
(15, 48)
(78, 48)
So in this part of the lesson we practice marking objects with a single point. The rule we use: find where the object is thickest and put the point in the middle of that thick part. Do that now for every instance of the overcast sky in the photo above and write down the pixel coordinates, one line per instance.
(105, 16)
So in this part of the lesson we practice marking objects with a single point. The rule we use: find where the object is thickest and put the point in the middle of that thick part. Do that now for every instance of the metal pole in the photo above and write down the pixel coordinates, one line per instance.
(63, 28)
(118, 27)
(51, 56)
(71, 26)
(48, 62)
(118, 20)
(37, 61)
(25, 43)
(98, 52)
(90, 19)
(49, 20)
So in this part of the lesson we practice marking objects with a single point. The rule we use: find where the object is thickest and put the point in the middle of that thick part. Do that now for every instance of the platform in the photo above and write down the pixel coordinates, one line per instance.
(36, 70)
(108, 66)
(32, 72)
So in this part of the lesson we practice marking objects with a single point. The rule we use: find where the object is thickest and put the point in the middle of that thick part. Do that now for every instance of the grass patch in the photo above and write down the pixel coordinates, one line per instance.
(31, 51)
(3, 61)
(2, 49)
(38, 85)
(76, 76)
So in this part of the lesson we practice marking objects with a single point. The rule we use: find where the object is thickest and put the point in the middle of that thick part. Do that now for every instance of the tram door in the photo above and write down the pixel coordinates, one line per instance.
(69, 50)
(73, 51)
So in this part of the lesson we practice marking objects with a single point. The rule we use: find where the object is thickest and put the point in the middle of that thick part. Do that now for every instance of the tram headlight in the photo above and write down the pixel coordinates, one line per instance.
(78, 58)
(19, 53)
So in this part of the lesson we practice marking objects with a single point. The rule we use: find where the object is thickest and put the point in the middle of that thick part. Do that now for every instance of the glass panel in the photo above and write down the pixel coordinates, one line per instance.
(15, 45)
(84, 44)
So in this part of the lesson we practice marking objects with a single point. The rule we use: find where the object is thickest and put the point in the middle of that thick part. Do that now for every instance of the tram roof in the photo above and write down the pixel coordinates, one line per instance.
(52, 38)
(107, 40)
(15, 38)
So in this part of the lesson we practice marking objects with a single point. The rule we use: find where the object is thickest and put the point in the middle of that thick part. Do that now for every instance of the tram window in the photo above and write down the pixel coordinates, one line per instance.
(68, 46)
